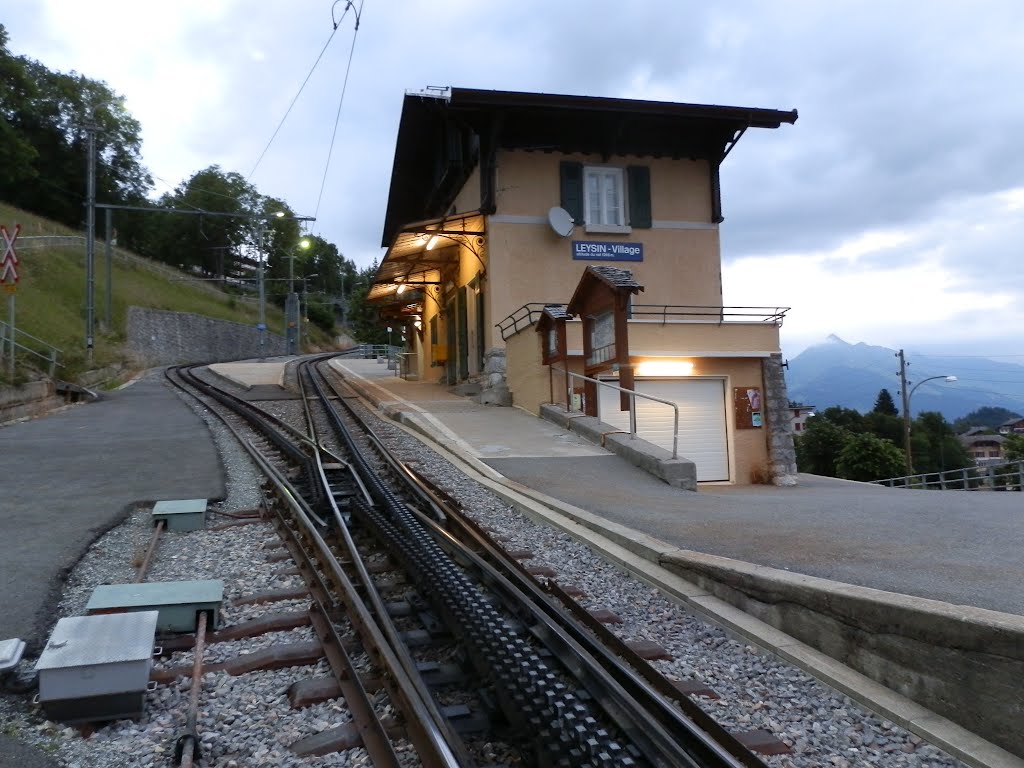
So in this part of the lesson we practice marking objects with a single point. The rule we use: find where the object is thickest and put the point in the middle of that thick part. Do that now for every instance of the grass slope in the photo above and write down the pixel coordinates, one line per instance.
(50, 298)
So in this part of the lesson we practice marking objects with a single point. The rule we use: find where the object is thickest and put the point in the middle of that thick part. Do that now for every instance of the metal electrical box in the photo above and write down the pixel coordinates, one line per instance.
(97, 667)
(181, 514)
(179, 603)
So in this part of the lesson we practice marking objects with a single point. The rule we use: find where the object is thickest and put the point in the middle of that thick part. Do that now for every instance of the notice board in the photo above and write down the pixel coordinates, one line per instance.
(747, 406)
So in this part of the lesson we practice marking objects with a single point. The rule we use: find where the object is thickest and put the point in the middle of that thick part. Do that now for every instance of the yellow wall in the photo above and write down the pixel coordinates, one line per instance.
(648, 338)
(533, 264)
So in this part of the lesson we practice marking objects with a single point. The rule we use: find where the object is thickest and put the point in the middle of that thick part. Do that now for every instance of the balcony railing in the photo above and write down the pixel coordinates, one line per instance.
(528, 314)
(669, 313)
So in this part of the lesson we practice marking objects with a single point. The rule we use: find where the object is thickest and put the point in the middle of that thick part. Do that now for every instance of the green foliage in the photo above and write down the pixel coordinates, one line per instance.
(886, 426)
(362, 317)
(987, 416)
(847, 418)
(934, 446)
(818, 447)
(884, 404)
(1013, 448)
(866, 457)
(43, 140)
(321, 316)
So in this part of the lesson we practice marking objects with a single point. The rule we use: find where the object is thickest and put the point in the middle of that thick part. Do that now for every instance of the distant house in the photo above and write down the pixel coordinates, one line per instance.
(1013, 426)
(798, 414)
(984, 449)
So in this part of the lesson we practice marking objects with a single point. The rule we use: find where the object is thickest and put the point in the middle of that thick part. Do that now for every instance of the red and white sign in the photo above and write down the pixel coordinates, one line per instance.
(9, 262)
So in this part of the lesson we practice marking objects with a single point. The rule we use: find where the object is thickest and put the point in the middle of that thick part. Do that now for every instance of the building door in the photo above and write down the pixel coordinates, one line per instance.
(702, 430)
(451, 338)
(463, 334)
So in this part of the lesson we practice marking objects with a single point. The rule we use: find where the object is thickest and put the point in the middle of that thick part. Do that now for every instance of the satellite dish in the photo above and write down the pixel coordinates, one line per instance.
(561, 222)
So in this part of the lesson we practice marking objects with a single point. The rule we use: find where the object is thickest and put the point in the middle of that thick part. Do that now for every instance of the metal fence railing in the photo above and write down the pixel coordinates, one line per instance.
(43, 352)
(633, 395)
(1008, 476)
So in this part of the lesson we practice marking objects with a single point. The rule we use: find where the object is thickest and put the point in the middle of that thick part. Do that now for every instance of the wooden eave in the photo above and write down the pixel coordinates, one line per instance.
(473, 124)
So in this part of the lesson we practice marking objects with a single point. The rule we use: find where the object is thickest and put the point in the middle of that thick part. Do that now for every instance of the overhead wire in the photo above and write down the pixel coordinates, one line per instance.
(295, 98)
(341, 99)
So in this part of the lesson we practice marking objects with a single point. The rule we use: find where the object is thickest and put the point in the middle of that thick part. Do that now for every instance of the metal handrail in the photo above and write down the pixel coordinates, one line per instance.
(633, 395)
(527, 314)
(50, 359)
(1011, 474)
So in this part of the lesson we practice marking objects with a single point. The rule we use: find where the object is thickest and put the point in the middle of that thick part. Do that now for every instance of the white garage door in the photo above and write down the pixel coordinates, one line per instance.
(702, 435)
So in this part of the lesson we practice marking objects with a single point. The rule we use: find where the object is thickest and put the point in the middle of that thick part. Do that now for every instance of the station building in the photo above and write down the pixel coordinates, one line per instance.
(539, 243)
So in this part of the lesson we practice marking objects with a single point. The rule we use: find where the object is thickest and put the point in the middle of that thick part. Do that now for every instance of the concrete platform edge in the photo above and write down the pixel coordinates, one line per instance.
(643, 555)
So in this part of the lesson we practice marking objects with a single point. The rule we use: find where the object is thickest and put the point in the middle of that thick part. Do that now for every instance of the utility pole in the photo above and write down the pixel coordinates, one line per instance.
(906, 413)
(109, 256)
(90, 237)
(262, 323)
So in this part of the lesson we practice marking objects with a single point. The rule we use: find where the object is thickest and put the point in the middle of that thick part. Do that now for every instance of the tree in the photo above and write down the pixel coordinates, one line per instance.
(1013, 448)
(884, 404)
(43, 140)
(934, 446)
(887, 427)
(847, 418)
(818, 447)
(865, 457)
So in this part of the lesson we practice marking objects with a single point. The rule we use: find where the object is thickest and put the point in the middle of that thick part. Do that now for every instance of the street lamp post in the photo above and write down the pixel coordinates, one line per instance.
(305, 305)
(292, 309)
(906, 411)
(90, 227)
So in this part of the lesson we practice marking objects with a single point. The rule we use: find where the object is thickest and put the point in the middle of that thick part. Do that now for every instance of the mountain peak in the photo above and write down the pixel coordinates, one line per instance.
(833, 339)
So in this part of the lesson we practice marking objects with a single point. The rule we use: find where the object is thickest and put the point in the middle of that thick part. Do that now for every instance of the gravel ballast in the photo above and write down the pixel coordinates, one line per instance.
(246, 720)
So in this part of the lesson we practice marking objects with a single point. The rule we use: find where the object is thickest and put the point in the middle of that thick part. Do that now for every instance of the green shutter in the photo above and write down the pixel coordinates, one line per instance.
(638, 180)
(571, 175)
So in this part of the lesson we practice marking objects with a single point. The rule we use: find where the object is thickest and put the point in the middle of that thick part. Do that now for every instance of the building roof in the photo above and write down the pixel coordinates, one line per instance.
(620, 280)
(443, 136)
(556, 312)
(969, 440)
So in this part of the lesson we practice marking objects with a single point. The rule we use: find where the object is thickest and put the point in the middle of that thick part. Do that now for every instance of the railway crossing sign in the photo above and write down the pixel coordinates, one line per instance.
(9, 261)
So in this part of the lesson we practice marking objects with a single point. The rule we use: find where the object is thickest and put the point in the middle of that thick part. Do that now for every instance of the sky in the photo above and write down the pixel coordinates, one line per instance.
(891, 213)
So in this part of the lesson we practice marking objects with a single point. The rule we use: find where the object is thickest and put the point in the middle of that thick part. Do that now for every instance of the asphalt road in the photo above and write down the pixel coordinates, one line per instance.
(959, 547)
(72, 475)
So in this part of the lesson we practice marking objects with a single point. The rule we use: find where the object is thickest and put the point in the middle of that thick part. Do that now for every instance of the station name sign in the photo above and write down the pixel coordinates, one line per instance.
(591, 250)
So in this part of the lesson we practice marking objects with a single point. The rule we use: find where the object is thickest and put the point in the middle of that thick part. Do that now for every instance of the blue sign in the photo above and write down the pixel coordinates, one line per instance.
(590, 250)
(261, 326)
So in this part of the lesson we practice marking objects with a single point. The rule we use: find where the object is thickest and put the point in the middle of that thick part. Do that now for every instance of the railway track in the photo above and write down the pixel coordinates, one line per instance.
(391, 559)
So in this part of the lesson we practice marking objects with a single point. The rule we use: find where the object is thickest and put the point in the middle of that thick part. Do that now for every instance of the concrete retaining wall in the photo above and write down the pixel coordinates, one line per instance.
(32, 399)
(158, 337)
(964, 663)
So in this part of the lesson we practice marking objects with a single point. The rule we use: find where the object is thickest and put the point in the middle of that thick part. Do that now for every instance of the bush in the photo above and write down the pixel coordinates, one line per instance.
(866, 457)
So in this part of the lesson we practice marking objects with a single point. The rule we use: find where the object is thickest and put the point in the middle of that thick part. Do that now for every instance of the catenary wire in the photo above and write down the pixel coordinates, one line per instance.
(292, 104)
(341, 100)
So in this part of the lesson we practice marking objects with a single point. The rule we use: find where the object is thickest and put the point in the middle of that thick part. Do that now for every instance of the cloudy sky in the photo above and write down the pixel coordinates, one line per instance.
(892, 212)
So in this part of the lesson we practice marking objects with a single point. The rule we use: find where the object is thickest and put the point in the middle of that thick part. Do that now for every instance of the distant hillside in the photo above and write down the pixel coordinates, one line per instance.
(851, 375)
(50, 299)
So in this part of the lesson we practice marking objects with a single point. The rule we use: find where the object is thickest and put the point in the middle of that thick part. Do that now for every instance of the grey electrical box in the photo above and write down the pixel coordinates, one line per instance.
(181, 514)
(97, 667)
(178, 602)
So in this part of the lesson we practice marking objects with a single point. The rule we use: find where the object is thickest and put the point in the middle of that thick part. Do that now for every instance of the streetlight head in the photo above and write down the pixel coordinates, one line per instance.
(279, 214)
(304, 243)
(951, 378)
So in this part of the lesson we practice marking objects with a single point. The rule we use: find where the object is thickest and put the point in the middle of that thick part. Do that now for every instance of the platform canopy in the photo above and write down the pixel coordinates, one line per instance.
(422, 254)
